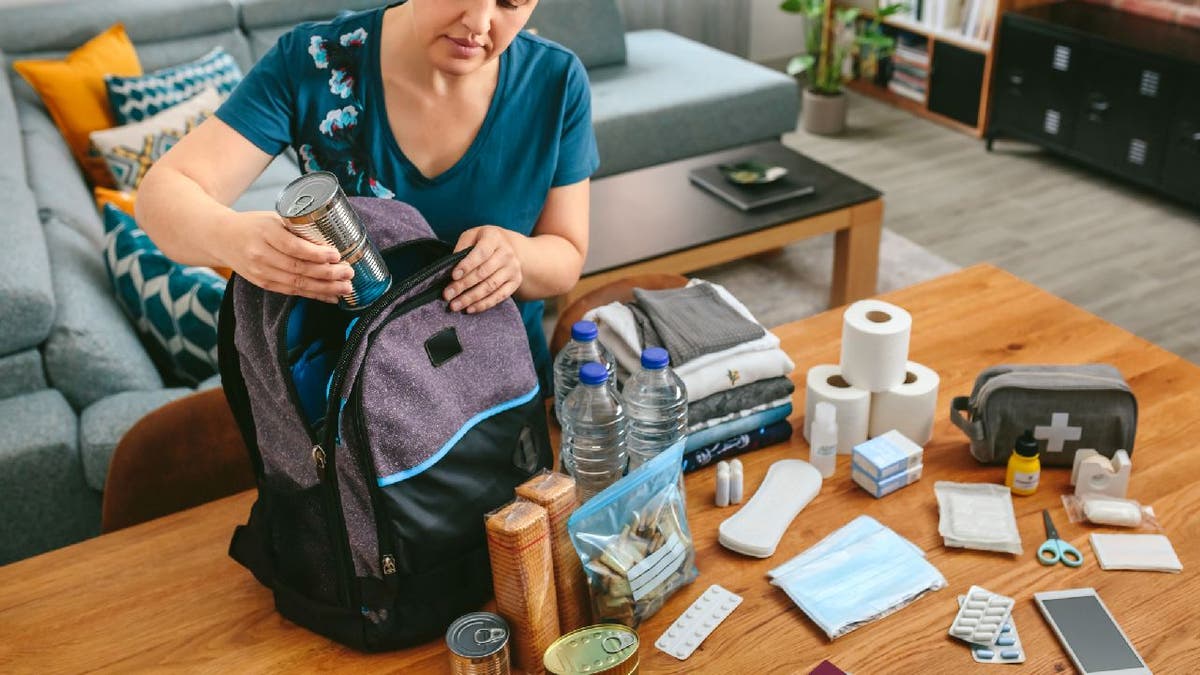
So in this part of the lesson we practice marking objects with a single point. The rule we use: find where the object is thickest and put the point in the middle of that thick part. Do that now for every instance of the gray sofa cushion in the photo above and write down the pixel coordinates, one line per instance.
(43, 498)
(54, 177)
(265, 20)
(93, 351)
(21, 373)
(590, 28)
(26, 293)
(103, 423)
(263, 13)
(261, 196)
(677, 98)
(63, 26)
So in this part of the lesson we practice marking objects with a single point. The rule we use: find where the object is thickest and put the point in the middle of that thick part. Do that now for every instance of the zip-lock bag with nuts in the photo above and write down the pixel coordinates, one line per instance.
(379, 440)
(634, 541)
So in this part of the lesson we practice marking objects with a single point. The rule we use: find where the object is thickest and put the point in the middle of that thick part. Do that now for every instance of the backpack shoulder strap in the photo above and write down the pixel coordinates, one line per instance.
(248, 545)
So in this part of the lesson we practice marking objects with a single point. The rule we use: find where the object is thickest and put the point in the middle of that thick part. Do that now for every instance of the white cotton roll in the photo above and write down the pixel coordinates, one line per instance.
(909, 407)
(875, 338)
(826, 384)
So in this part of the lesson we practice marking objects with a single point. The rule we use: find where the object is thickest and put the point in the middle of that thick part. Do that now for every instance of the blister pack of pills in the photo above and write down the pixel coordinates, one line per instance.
(981, 617)
(1007, 649)
(698, 622)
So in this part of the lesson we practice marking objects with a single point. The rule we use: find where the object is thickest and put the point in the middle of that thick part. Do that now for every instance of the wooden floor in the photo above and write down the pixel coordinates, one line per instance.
(1125, 254)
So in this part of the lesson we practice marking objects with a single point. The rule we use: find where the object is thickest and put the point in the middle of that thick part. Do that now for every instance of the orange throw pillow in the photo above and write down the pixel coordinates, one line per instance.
(73, 91)
(125, 202)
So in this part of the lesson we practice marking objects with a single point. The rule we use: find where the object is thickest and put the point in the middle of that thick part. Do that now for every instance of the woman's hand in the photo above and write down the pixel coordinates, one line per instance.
(259, 247)
(490, 273)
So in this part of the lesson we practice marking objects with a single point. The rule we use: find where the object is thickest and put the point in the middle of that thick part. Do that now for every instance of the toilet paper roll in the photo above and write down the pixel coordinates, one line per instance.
(875, 344)
(908, 407)
(826, 383)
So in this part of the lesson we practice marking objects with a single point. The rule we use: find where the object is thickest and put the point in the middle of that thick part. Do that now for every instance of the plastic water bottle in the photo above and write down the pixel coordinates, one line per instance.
(822, 448)
(656, 403)
(583, 348)
(593, 437)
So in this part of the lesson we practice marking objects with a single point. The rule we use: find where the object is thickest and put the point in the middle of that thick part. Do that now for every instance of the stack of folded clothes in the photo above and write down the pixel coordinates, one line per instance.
(739, 394)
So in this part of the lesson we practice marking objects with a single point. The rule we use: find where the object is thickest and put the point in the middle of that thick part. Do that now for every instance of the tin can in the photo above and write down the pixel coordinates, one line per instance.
(478, 644)
(315, 208)
(603, 649)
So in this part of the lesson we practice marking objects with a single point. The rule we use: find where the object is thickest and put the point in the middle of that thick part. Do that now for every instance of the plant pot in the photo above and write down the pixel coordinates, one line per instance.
(824, 114)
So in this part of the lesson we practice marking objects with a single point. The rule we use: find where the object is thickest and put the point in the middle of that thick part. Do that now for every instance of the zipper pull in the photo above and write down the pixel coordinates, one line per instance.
(318, 455)
(389, 565)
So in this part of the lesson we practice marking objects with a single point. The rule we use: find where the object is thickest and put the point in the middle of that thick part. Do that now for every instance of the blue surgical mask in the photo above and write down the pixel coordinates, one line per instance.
(861, 572)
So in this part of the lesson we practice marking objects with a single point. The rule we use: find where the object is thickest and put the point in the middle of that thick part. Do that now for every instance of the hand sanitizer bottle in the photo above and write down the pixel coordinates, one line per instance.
(822, 452)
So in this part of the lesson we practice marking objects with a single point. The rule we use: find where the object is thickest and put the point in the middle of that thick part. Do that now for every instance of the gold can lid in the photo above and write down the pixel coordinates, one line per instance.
(602, 648)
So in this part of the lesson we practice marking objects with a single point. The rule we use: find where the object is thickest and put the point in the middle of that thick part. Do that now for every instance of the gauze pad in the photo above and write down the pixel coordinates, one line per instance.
(977, 515)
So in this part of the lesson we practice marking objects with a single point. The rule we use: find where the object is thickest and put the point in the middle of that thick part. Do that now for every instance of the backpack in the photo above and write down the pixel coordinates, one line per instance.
(379, 441)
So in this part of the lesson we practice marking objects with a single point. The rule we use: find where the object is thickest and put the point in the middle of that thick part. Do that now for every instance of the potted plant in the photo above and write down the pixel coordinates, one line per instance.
(829, 39)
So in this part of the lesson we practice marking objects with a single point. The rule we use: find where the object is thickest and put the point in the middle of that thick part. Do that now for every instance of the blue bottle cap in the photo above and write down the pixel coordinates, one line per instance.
(584, 331)
(593, 373)
(655, 358)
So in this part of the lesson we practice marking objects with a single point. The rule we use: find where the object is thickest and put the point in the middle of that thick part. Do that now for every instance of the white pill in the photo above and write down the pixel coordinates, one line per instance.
(972, 614)
(996, 611)
(976, 605)
(980, 595)
(968, 622)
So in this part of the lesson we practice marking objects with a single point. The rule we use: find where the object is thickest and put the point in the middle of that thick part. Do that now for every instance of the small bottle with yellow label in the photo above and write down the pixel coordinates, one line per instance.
(1024, 466)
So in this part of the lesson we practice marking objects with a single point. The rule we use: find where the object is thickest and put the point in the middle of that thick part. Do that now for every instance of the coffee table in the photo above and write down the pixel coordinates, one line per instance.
(165, 596)
(655, 220)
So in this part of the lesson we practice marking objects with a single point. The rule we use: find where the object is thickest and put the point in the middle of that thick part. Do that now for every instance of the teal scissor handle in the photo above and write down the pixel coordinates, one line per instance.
(1054, 551)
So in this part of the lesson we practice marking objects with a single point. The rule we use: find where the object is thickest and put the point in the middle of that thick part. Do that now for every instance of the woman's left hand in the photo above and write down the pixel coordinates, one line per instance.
(490, 273)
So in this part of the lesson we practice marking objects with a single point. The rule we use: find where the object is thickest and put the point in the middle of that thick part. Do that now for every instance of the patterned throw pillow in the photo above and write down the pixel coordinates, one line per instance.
(73, 91)
(134, 99)
(173, 306)
(130, 150)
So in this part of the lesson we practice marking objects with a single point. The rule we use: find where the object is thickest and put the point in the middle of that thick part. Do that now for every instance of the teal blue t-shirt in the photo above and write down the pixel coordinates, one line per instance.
(319, 90)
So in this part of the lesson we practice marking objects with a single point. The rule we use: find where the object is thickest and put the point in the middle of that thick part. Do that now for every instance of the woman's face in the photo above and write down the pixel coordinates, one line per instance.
(462, 35)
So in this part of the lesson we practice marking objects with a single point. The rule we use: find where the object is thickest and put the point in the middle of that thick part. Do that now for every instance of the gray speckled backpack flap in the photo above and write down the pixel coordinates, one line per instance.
(1068, 407)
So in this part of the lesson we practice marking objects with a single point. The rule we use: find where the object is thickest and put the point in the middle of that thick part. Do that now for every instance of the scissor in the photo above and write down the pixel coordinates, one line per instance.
(1055, 550)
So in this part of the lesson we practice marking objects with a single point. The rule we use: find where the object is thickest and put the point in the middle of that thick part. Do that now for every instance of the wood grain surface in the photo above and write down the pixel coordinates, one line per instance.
(165, 596)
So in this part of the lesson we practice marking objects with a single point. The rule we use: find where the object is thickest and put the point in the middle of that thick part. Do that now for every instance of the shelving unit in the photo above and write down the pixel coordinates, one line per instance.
(959, 62)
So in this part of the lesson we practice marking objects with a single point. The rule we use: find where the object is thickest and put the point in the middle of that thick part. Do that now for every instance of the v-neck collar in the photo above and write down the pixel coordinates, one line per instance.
(381, 115)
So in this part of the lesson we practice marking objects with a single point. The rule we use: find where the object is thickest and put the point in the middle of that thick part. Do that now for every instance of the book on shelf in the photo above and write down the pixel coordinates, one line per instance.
(898, 87)
(916, 83)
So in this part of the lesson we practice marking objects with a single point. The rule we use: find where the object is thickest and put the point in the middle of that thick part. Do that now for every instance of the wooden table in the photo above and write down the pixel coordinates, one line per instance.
(164, 595)
(654, 220)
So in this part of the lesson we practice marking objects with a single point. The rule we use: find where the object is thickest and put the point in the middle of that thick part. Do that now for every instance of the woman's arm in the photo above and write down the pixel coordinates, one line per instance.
(506, 263)
(183, 204)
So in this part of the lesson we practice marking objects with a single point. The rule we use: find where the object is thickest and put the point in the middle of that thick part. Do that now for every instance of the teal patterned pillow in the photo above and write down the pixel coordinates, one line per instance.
(173, 306)
(134, 99)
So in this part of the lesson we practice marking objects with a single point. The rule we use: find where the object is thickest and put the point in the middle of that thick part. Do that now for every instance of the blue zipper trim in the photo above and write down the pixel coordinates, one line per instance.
(470, 424)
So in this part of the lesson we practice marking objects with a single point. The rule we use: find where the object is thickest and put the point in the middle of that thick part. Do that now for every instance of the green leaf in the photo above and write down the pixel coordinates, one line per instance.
(793, 6)
(891, 9)
(847, 15)
(800, 64)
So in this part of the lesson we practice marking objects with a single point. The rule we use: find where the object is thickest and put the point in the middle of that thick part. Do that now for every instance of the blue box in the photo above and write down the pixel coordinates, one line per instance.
(887, 455)
(888, 485)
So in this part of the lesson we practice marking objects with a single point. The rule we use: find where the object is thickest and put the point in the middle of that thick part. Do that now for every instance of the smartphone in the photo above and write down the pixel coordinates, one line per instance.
(1089, 633)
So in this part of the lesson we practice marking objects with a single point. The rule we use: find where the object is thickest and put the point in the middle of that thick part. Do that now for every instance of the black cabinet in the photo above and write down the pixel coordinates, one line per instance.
(956, 82)
(1114, 90)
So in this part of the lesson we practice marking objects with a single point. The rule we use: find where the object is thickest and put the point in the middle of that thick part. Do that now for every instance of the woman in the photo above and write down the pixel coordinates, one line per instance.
(445, 104)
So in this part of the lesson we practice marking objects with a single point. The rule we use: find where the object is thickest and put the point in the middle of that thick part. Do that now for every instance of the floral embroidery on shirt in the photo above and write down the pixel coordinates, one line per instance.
(308, 159)
(356, 38)
(316, 48)
(340, 122)
(343, 151)
(341, 83)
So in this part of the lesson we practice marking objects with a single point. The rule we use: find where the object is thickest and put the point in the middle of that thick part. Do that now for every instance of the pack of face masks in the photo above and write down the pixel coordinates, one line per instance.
(862, 572)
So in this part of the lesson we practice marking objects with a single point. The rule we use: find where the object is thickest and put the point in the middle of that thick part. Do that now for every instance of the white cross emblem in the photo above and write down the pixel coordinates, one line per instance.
(1058, 432)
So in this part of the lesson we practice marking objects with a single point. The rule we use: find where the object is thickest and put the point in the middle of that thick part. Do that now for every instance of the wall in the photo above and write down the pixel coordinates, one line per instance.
(1178, 11)
(774, 33)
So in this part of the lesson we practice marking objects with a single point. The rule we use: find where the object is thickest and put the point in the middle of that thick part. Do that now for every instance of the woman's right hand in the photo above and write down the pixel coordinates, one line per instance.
(259, 247)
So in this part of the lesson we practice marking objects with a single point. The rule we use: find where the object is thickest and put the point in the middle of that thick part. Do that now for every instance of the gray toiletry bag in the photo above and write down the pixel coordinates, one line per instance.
(1069, 407)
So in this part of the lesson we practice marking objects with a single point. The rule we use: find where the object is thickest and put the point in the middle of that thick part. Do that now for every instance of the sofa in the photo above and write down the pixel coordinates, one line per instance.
(74, 374)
